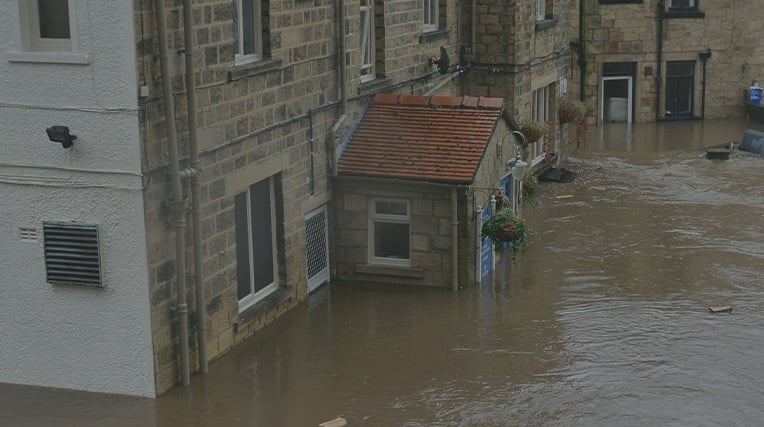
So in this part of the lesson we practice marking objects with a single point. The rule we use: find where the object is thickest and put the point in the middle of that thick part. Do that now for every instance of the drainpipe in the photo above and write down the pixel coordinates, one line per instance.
(473, 36)
(581, 52)
(454, 241)
(341, 77)
(196, 203)
(176, 203)
(704, 57)
(659, 67)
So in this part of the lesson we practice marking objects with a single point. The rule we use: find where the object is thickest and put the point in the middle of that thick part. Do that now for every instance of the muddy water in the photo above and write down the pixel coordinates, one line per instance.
(603, 321)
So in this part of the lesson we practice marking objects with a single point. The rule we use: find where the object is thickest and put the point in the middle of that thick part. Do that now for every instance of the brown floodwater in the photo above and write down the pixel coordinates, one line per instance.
(602, 321)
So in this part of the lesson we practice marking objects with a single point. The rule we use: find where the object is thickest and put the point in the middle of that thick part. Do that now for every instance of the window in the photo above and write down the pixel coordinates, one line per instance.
(257, 245)
(248, 37)
(367, 40)
(544, 9)
(430, 15)
(679, 88)
(389, 236)
(683, 4)
(541, 114)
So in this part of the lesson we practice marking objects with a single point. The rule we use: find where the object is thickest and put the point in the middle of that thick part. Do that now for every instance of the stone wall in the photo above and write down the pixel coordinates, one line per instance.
(255, 121)
(629, 33)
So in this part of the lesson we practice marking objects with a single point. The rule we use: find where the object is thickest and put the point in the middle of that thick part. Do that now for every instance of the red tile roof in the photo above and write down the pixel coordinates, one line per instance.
(423, 138)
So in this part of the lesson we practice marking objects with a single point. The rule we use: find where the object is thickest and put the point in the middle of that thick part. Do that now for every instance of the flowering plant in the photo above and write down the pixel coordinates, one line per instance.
(505, 227)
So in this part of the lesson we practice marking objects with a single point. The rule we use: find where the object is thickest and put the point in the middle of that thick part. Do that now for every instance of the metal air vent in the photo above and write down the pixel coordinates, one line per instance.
(72, 255)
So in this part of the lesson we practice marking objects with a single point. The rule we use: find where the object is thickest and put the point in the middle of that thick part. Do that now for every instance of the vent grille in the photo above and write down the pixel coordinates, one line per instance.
(28, 234)
(72, 255)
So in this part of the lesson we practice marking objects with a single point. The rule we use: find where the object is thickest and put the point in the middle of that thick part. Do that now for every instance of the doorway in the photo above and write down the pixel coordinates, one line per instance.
(617, 99)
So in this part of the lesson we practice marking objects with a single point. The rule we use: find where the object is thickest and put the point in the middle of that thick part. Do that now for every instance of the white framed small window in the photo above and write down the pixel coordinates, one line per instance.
(389, 232)
(248, 36)
(430, 15)
(367, 40)
(540, 113)
(48, 32)
(682, 4)
(541, 9)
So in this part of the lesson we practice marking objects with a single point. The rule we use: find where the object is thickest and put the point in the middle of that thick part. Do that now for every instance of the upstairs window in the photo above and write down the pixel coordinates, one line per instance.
(47, 25)
(683, 4)
(367, 40)
(430, 15)
(544, 9)
(248, 38)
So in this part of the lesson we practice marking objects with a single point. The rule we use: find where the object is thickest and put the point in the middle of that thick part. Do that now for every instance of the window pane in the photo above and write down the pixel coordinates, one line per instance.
(248, 23)
(243, 276)
(54, 19)
(391, 240)
(391, 208)
(680, 68)
(262, 233)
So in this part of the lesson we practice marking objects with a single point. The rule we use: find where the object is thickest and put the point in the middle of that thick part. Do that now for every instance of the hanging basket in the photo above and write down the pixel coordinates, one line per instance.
(533, 131)
(571, 111)
(505, 227)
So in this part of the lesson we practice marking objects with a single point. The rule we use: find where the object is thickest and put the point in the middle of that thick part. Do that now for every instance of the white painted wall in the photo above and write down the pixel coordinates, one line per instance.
(69, 336)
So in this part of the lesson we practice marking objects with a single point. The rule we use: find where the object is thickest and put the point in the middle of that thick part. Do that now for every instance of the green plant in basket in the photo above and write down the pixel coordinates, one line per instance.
(530, 188)
(505, 227)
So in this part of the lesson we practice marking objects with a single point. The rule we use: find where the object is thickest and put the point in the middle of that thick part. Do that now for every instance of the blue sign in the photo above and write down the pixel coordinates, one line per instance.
(486, 250)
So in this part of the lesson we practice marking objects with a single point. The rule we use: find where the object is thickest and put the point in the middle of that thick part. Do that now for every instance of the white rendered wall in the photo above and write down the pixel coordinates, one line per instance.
(70, 336)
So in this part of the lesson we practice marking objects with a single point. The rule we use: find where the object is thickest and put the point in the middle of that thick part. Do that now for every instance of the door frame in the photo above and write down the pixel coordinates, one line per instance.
(629, 100)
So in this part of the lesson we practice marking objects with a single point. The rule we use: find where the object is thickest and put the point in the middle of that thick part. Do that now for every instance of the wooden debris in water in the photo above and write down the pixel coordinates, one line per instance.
(337, 422)
(567, 196)
(720, 309)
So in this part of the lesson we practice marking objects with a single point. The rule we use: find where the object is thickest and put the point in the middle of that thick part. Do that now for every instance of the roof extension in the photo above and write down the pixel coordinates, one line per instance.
(422, 138)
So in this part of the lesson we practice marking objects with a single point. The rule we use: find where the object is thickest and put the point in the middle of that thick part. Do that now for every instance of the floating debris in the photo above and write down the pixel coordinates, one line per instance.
(720, 309)
(567, 196)
(337, 422)
(557, 175)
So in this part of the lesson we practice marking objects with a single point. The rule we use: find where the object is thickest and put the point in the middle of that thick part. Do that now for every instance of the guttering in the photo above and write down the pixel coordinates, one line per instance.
(704, 57)
(659, 66)
(176, 202)
(196, 200)
(341, 76)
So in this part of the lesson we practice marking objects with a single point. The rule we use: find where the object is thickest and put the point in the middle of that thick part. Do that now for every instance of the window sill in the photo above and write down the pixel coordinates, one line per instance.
(387, 270)
(50, 57)
(253, 69)
(545, 23)
(260, 308)
(431, 36)
(684, 13)
(373, 86)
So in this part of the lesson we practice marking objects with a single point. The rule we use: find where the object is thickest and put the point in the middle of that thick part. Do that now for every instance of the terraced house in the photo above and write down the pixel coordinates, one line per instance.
(653, 60)
(139, 242)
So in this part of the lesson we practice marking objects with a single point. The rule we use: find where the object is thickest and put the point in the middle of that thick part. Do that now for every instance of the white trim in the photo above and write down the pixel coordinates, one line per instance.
(29, 24)
(368, 43)
(629, 100)
(540, 9)
(430, 14)
(49, 57)
(388, 218)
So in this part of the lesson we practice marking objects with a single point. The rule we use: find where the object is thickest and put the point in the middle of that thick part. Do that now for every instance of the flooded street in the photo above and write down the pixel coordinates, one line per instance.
(603, 321)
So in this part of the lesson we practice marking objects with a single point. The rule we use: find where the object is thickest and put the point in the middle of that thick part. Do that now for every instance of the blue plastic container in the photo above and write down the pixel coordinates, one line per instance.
(754, 95)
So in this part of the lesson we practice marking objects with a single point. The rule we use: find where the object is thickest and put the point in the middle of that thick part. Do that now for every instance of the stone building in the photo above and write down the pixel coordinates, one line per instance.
(650, 60)
(201, 229)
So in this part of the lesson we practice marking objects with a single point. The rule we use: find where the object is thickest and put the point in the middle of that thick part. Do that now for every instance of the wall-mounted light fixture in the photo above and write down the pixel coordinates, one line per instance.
(61, 134)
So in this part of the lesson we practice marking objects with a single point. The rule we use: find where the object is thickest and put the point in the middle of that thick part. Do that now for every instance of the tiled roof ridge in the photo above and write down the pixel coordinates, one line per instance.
(439, 101)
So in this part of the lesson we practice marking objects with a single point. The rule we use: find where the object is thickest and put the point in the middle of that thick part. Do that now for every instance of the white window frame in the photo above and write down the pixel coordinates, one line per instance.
(255, 296)
(368, 44)
(674, 4)
(541, 9)
(375, 217)
(541, 101)
(33, 48)
(241, 57)
(431, 15)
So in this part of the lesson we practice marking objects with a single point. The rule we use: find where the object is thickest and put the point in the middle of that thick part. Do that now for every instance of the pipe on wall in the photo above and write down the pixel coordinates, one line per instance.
(196, 200)
(659, 65)
(454, 241)
(177, 204)
(581, 52)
